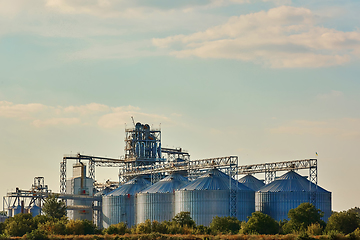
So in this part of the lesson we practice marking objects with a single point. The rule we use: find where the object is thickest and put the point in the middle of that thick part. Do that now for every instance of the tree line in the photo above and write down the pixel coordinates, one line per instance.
(305, 221)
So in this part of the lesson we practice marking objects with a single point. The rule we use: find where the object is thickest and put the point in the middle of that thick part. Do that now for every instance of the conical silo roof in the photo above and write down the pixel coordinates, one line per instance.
(290, 182)
(214, 180)
(131, 187)
(170, 183)
(252, 182)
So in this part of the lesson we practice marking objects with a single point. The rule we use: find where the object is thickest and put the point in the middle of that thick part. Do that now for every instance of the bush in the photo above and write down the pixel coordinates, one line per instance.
(37, 234)
(335, 235)
(119, 228)
(184, 218)
(201, 230)
(302, 217)
(225, 225)
(19, 225)
(54, 227)
(143, 227)
(314, 229)
(80, 227)
(304, 236)
(355, 235)
(260, 223)
(345, 222)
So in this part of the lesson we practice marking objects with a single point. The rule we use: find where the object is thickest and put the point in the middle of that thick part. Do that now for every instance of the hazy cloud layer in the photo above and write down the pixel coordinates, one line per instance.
(104, 116)
(283, 37)
(343, 128)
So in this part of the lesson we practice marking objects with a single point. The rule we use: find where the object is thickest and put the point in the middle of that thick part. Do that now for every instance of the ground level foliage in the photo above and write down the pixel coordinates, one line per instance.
(305, 224)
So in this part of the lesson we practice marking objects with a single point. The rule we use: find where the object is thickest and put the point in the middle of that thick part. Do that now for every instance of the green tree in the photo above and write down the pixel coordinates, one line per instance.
(19, 225)
(344, 222)
(53, 207)
(184, 218)
(260, 223)
(225, 225)
(302, 217)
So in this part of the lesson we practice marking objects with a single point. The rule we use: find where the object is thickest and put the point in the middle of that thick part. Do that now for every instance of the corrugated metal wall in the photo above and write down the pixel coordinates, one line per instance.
(155, 206)
(118, 209)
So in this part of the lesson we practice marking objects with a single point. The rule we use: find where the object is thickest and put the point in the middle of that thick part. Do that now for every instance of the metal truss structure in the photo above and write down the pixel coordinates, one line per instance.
(27, 198)
(175, 155)
(92, 162)
(270, 170)
(194, 168)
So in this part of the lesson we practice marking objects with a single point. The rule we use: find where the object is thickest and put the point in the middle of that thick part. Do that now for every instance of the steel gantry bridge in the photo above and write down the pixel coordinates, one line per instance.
(179, 161)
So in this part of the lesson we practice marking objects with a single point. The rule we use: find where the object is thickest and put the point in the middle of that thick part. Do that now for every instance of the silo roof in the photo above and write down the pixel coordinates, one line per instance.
(170, 183)
(290, 182)
(214, 180)
(252, 182)
(131, 187)
(103, 192)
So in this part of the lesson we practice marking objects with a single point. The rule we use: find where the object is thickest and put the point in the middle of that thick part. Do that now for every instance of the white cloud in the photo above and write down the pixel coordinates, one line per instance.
(55, 122)
(104, 116)
(283, 37)
(342, 128)
(119, 118)
(87, 109)
(20, 111)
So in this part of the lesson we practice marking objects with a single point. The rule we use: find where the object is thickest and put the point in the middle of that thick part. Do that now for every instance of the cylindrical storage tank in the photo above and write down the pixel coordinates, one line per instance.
(16, 210)
(35, 210)
(10, 212)
(209, 196)
(157, 202)
(252, 182)
(119, 204)
(288, 192)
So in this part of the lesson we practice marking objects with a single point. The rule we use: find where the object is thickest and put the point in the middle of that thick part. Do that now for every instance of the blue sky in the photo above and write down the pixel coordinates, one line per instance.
(267, 80)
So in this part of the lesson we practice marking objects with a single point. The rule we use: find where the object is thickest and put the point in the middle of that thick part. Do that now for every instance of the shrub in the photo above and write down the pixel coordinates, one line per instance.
(80, 227)
(19, 225)
(37, 234)
(344, 222)
(184, 218)
(119, 228)
(225, 225)
(144, 227)
(303, 216)
(304, 236)
(201, 230)
(54, 227)
(335, 235)
(260, 223)
(314, 229)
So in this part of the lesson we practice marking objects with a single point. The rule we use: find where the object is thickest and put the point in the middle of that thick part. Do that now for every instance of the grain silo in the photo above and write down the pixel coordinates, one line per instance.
(288, 192)
(209, 196)
(252, 182)
(35, 210)
(157, 202)
(119, 204)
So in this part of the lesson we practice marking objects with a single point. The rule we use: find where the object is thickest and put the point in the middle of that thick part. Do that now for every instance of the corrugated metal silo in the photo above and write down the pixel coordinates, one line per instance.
(16, 210)
(119, 204)
(288, 192)
(209, 196)
(252, 182)
(157, 202)
(35, 210)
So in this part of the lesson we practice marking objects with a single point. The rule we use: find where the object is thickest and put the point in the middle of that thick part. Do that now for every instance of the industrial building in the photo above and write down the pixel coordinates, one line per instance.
(156, 183)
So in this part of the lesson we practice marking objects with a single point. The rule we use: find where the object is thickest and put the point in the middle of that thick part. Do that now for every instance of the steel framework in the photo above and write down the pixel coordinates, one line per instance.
(92, 162)
(270, 170)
